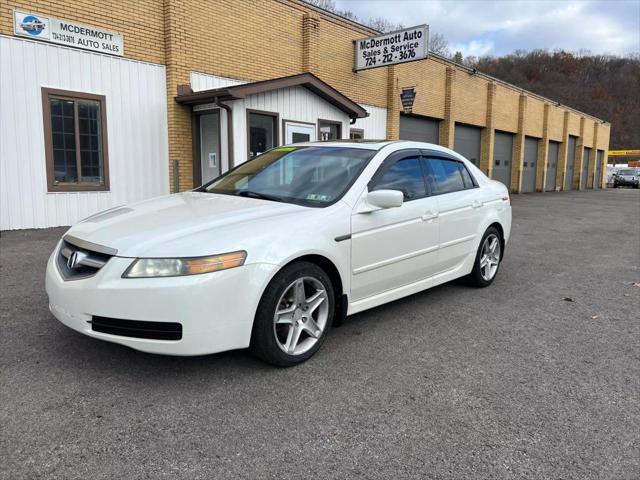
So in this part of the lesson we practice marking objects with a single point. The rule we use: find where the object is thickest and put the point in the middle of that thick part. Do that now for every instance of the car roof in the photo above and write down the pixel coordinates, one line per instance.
(372, 144)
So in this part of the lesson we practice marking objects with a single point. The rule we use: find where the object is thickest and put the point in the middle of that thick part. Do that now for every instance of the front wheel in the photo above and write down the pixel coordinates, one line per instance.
(294, 315)
(488, 259)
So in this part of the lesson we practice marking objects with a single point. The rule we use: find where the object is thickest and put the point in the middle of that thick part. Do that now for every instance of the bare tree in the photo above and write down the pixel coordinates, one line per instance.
(383, 25)
(438, 44)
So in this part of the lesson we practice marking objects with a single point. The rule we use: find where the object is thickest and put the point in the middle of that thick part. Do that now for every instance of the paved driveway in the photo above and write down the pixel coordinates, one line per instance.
(512, 381)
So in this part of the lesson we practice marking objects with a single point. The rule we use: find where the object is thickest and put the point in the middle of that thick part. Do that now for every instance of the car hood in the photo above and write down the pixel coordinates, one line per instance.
(170, 225)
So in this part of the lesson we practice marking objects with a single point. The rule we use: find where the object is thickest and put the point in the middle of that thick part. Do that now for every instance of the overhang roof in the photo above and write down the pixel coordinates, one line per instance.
(306, 80)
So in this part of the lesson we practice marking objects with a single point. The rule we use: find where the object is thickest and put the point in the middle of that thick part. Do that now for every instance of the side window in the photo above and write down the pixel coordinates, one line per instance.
(445, 176)
(466, 176)
(404, 175)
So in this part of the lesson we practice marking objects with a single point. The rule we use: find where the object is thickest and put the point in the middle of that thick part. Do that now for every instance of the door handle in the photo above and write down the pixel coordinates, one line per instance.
(429, 215)
(476, 204)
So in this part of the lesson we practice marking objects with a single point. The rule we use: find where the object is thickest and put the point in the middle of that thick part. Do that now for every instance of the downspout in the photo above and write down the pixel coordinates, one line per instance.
(229, 130)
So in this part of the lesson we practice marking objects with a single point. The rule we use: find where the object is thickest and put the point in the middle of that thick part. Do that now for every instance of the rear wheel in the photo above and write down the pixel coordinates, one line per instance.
(294, 315)
(488, 259)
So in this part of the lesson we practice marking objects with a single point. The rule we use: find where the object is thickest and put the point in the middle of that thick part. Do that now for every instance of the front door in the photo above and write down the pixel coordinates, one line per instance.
(210, 146)
(295, 132)
(398, 246)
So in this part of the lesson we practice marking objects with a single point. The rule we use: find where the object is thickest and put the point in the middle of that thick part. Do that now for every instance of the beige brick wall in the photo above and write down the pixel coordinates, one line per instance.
(124, 16)
(261, 39)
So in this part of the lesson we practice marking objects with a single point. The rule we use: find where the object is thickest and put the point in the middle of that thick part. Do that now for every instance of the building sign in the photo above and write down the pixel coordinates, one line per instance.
(70, 34)
(407, 97)
(401, 46)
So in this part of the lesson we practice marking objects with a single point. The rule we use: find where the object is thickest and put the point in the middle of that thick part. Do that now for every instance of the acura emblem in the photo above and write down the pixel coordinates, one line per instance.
(75, 259)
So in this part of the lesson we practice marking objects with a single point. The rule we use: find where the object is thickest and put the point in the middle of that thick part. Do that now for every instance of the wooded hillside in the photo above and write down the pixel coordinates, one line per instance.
(604, 86)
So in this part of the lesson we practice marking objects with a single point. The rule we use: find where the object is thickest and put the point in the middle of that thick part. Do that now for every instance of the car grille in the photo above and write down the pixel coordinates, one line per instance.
(77, 259)
(137, 329)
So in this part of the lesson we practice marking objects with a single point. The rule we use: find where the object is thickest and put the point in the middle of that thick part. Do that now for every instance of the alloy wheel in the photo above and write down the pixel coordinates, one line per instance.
(301, 315)
(490, 257)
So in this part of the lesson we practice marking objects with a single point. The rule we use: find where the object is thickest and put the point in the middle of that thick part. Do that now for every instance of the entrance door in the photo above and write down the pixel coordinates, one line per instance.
(466, 142)
(210, 146)
(598, 178)
(299, 132)
(571, 158)
(503, 146)
(585, 168)
(552, 166)
(529, 165)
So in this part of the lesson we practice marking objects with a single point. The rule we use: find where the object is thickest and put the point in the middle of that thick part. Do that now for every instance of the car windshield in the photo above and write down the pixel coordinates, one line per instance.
(627, 172)
(307, 175)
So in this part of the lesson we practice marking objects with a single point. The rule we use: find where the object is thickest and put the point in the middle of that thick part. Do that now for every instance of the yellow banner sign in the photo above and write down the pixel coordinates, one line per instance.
(623, 153)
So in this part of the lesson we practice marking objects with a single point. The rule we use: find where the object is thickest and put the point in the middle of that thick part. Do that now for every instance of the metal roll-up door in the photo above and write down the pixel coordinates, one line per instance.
(502, 152)
(529, 165)
(552, 166)
(585, 167)
(419, 129)
(571, 157)
(598, 178)
(466, 142)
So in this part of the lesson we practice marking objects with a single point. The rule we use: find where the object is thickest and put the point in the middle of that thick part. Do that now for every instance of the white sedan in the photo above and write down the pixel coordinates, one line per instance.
(270, 254)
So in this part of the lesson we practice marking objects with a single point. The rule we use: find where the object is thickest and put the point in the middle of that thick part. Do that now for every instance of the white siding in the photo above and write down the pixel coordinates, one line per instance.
(136, 122)
(375, 125)
(204, 81)
(294, 103)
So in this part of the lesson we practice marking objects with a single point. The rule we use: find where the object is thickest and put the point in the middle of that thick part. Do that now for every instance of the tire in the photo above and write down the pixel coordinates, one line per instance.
(302, 325)
(478, 276)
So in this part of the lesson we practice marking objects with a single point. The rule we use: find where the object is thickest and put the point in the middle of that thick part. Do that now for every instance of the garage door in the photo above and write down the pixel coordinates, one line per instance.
(419, 129)
(571, 157)
(552, 166)
(529, 165)
(599, 158)
(585, 167)
(466, 142)
(502, 149)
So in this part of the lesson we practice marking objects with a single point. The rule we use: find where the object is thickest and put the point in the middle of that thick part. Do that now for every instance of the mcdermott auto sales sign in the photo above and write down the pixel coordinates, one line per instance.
(400, 46)
(70, 34)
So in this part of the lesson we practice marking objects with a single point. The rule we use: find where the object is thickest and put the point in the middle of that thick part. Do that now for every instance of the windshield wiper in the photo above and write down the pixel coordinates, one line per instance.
(261, 196)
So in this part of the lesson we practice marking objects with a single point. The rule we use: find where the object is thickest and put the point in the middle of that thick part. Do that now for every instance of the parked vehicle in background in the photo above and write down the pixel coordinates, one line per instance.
(267, 255)
(627, 177)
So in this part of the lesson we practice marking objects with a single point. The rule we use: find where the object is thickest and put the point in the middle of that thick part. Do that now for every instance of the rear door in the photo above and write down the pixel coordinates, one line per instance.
(395, 246)
(459, 202)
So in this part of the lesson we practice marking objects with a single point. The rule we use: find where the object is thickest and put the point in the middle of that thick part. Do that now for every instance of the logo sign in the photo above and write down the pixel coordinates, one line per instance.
(407, 97)
(623, 153)
(70, 34)
(76, 259)
(400, 46)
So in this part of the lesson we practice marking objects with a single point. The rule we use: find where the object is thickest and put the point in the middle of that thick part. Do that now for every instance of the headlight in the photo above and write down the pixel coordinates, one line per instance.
(175, 267)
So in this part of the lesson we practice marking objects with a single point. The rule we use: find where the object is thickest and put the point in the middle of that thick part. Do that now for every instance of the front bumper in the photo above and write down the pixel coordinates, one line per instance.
(216, 310)
(626, 183)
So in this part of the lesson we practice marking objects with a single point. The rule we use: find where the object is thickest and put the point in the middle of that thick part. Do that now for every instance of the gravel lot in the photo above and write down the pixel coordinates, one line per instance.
(512, 381)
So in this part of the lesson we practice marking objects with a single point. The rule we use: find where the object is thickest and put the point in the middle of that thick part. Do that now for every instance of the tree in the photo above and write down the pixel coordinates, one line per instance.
(601, 85)
(458, 57)
(438, 44)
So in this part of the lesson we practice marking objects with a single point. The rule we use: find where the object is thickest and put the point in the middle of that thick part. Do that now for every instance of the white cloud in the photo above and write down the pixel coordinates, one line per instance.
(499, 27)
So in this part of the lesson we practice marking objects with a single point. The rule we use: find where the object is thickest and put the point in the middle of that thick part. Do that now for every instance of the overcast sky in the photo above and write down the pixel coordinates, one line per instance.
(500, 27)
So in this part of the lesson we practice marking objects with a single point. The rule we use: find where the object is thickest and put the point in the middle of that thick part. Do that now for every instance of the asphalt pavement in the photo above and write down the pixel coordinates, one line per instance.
(537, 376)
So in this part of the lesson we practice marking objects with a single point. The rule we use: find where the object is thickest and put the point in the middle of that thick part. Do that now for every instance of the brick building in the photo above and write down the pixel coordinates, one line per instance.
(192, 88)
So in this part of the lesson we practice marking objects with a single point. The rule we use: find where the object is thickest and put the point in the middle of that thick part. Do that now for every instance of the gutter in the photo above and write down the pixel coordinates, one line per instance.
(229, 130)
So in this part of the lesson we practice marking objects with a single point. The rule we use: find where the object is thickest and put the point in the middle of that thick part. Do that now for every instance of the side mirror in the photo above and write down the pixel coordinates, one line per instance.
(385, 198)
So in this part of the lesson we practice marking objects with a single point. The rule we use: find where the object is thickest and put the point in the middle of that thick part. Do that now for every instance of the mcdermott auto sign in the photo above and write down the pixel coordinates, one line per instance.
(400, 46)
(64, 32)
